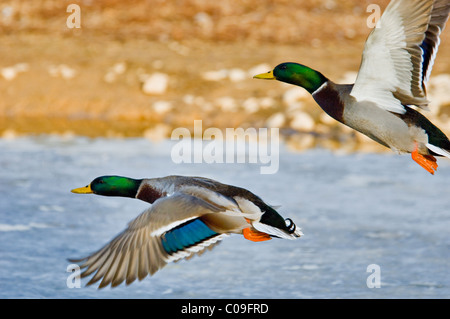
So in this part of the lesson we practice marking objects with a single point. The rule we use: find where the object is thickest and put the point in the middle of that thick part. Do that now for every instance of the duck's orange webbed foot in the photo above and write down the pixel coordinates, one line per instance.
(254, 235)
(426, 161)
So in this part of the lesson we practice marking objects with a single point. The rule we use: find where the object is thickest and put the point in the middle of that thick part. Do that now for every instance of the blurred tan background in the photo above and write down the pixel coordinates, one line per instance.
(143, 68)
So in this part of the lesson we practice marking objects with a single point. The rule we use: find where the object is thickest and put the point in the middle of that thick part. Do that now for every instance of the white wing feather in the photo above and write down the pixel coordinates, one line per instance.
(391, 69)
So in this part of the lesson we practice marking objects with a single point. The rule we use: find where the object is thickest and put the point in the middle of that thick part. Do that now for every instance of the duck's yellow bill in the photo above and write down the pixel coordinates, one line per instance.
(83, 190)
(265, 76)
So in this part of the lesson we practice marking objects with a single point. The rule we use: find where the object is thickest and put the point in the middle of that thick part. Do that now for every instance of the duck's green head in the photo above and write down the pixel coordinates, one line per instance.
(297, 74)
(111, 186)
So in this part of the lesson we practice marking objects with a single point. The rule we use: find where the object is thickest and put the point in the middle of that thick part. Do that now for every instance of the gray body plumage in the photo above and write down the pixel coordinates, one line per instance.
(384, 127)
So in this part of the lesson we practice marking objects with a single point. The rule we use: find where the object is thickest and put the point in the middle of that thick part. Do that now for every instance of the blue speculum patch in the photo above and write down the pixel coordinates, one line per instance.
(186, 235)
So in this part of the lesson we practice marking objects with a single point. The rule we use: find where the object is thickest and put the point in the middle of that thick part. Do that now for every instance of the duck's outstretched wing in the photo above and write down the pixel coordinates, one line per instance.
(399, 54)
(430, 45)
(169, 230)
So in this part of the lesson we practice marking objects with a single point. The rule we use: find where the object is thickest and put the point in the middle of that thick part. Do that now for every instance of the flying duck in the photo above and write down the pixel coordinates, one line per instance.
(396, 64)
(187, 215)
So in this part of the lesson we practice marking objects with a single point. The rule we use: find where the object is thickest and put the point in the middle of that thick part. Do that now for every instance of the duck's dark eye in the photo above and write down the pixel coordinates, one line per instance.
(101, 181)
(283, 67)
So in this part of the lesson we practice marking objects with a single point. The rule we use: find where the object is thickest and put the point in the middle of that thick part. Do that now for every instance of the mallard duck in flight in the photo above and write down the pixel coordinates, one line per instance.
(396, 65)
(188, 215)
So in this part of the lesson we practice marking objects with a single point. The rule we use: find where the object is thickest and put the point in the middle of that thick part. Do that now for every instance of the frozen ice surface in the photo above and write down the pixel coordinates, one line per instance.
(355, 210)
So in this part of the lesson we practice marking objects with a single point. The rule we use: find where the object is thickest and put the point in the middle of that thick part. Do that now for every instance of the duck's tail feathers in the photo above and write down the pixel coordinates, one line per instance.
(292, 231)
(438, 150)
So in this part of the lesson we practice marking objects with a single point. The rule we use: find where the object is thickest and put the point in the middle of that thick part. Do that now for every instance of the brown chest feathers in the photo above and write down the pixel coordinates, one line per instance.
(329, 99)
(149, 194)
